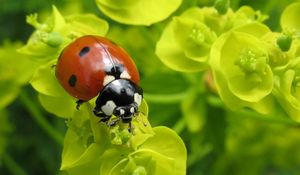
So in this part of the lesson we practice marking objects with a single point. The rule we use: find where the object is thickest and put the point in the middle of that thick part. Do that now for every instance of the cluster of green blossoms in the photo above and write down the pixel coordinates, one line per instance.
(91, 147)
(252, 66)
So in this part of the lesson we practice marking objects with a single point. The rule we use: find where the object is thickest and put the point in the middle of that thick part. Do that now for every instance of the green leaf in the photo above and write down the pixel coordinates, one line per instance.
(255, 29)
(166, 142)
(134, 12)
(56, 21)
(90, 154)
(15, 71)
(116, 4)
(289, 19)
(85, 24)
(115, 156)
(61, 106)
(90, 168)
(15, 66)
(75, 141)
(139, 171)
(38, 49)
(45, 82)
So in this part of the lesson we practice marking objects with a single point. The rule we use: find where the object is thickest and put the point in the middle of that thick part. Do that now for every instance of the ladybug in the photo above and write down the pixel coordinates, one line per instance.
(94, 66)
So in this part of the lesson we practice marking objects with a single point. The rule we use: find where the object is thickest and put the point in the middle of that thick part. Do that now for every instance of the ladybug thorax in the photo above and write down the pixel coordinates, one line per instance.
(120, 97)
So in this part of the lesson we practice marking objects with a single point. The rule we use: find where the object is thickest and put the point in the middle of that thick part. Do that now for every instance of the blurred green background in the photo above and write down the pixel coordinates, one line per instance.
(225, 142)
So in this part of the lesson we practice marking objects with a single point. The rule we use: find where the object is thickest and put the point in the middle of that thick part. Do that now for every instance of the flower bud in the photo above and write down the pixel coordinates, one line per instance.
(284, 42)
(54, 39)
(222, 6)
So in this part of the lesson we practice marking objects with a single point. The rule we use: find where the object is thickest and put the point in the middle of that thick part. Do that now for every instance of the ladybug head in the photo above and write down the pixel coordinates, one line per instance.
(120, 97)
(125, 113)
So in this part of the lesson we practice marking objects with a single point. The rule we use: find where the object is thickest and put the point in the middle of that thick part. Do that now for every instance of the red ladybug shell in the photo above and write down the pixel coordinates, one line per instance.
(81, 66)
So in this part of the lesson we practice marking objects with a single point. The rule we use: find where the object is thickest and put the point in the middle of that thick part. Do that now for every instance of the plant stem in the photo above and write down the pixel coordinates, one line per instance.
(269, 7)
(271, 118)
(40, 119)
(267, 118)
(165, 98)
(198, 154)
(12, 165)
(179, 126)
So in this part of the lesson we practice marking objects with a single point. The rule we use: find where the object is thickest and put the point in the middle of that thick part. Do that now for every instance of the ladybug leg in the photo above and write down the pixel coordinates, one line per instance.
(114, 122)
(130, 127)
(104, 119)
(53, 66)
(101, 115)
(79, 103)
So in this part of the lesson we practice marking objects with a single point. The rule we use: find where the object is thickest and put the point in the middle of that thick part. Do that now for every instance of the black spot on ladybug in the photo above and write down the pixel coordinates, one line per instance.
(115, 70)
(84, 51)
(72, 80)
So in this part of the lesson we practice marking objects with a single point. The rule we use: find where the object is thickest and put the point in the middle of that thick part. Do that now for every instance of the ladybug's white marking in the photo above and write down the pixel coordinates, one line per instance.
(132, 110)
(107, 79)
(122, 111)
(108, 108)
(125, 75)
(138, 99)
